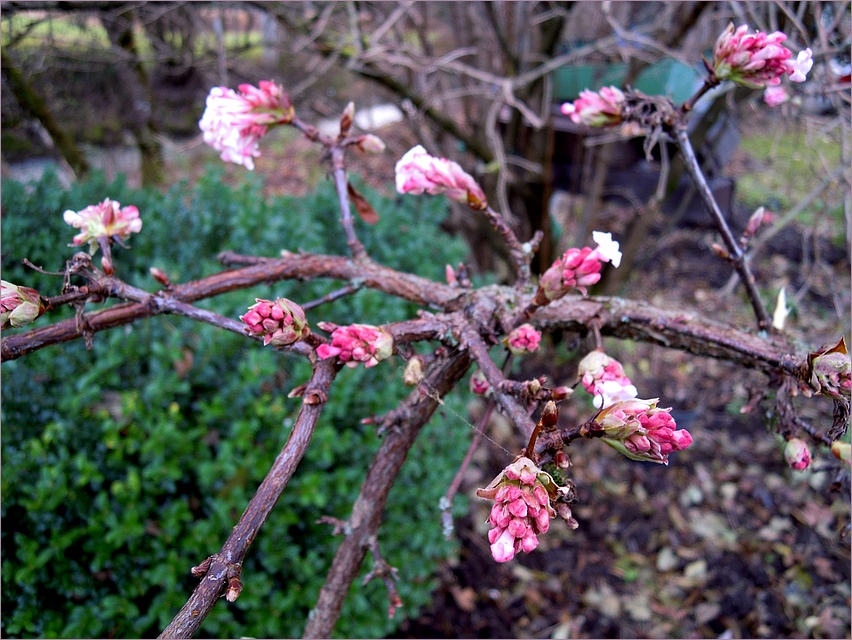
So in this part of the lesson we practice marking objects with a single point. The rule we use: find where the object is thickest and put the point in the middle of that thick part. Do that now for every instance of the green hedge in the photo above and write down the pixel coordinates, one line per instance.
(123, 467)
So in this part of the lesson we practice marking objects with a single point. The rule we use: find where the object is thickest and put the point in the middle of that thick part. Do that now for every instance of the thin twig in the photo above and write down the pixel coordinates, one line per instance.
(223, 569)
(736, 255)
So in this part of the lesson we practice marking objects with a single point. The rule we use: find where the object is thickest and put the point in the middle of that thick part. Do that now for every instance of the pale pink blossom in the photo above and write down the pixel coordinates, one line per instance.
(604, 378)
(797, 454)
(479, 383)
(523, 339)
(417, 172)
(774, 96)
(18, 305)
(596, 108)
(799, 68)
(358, 343)
(233, 123)
(757, 59)
(577, 269)
(522, 510)
(281, 322)
(641, 431)
(103, 220)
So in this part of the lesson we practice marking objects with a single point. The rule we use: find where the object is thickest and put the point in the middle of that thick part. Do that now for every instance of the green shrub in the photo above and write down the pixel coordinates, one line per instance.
(123, 468)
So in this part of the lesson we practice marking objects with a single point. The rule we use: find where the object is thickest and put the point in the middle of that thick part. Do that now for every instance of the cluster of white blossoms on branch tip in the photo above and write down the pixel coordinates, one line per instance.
(418, 172)
(757, 59)
(105, 220)
(233, 123)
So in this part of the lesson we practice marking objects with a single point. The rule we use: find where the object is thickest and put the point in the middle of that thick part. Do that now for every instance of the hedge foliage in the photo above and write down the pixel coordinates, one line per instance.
(126, 465)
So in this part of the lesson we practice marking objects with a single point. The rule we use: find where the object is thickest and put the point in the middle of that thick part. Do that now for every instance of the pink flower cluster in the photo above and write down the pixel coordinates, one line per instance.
(757, 59)
(642, 431)
(521, 494)
(523, 339)
(18, 305)
(417, 172)
(577, 269)
(357, 343)
(280, 323)
(596, 108)
(233, 123)
(797, 454)
(103, 220)
(604, 378)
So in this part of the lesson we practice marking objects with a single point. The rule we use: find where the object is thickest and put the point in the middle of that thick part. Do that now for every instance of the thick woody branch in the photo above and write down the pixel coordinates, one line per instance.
(222, 570)
(368, 508)
(261, 271)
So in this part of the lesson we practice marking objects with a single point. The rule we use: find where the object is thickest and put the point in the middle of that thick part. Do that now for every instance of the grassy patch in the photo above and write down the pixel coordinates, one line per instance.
(789, 160)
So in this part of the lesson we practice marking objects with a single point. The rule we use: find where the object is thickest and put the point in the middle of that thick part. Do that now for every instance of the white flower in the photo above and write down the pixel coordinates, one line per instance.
(781, 310)
(607, 248)
(799, 68)
(611, 391)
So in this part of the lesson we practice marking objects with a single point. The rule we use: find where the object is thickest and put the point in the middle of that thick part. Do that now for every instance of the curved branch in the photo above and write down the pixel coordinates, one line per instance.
(367, 510)
(303, 266)
(223, 568)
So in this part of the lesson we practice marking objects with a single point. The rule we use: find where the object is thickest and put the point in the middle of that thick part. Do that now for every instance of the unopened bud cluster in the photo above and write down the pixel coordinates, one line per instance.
(18, 305)
(577, 269)
(357, 343)
(641, 431)
(418, 172)
(522, 510)
(281, 322)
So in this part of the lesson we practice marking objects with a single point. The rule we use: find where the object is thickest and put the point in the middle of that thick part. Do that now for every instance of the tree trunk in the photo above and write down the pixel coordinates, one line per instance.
(35, 106)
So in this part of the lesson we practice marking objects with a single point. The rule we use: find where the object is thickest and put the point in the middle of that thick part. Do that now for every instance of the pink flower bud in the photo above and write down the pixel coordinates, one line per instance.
(642, 431)
(842, 451)
(596, 108)
(417, 172)
(757, 59)
(103, 220)
(233, 123)
(523, 339)
(280, 323)
(18, 305)
(604, 378)
(413, 373)
(371, 143)
(797, 454)
(479, 384)
(358, 343)
(774, 96)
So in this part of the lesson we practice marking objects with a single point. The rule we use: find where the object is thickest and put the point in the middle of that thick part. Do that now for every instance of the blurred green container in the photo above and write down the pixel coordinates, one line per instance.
(667, 77)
